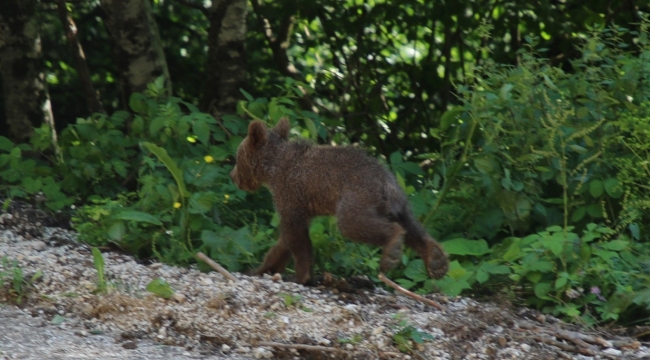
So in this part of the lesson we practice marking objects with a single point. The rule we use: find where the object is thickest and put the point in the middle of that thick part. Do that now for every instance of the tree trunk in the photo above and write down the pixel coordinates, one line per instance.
(93, 102)
(136, 43)
(226, 67)
(27, 102)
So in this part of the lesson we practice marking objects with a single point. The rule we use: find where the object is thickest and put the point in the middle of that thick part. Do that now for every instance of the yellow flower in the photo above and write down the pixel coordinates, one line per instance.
(208, 158)
(226, 196)
(177, 205)
(191, 139)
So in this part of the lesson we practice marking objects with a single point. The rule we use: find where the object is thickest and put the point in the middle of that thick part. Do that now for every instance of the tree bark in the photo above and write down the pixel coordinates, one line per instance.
(226, 67)
(93, 102)
(137, 47)
(27, 102)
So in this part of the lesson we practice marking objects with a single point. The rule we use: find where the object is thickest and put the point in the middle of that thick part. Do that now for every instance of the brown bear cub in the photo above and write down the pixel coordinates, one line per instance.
(308, 180)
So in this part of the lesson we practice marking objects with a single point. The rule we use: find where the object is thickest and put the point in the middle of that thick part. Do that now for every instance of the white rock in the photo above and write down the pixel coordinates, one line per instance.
(378, 330)
(261, 353)
(612, 351)
(525, 347)
(225, 348)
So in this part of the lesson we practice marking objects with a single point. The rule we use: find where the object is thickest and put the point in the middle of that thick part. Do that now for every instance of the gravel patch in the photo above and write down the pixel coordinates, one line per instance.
(210, 317)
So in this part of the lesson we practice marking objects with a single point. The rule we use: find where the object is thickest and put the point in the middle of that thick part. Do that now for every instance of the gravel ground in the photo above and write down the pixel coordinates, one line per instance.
(210, 317)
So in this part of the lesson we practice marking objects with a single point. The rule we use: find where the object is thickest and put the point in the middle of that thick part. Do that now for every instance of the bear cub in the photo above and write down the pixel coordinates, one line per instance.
(308, 180)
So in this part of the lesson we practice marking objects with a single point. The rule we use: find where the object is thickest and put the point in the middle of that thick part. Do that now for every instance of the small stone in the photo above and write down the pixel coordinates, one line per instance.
(180, 298)
(82, 333)
(155, 266)
(541, 318)
(39, 245)
(378, 330)
(502, 341)
(206, 281)
(130, 345)
(277, 277)
(525, 347)
(349, 346)
(225, 348)
(261, 353)
(612, 351)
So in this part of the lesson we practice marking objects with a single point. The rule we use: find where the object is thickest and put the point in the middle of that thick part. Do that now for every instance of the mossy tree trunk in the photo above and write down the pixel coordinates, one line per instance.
(26, 100)
(137, 47)
(226, 67)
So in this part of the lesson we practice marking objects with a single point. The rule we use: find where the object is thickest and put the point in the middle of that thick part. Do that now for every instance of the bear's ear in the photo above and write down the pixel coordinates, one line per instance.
(282, 128)
(257, 134)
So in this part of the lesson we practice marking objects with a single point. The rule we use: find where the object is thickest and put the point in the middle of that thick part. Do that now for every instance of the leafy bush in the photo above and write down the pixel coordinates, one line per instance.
(538, 188)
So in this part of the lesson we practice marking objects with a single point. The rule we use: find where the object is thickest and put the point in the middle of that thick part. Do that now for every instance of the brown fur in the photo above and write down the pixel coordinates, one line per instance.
(307, 180)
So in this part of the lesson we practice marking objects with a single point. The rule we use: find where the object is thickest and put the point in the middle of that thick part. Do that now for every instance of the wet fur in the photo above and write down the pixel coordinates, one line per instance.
(308, 180)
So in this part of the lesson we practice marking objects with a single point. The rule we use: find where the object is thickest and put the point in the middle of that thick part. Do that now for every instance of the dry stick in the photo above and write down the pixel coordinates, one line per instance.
(299, 346)
(408, 293)
(563, 346)
(216, 266)
(577, 338)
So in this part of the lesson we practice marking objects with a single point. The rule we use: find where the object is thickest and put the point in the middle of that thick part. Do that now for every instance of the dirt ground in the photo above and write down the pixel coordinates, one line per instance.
(210, 317)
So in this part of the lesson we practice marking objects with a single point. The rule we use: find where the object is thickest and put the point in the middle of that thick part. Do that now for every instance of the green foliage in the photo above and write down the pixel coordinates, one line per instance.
(161, 288)
(23, 174)
(535, 179)
(98, 261)
(12, 274)
(591, 277)
(407, 334)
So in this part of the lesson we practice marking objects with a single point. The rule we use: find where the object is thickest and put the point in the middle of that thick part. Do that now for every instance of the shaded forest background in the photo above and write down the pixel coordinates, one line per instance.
(519, 130)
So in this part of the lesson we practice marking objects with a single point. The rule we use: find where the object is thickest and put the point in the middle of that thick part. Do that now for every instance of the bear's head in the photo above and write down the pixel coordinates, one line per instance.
(257, 152)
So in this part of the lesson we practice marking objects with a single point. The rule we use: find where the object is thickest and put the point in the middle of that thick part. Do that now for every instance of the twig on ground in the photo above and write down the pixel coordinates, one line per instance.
(563, 346)
(417, 297)
(299, 346)
(216, 266)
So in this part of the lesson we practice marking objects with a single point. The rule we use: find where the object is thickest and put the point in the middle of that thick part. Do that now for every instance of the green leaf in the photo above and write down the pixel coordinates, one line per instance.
(615, 245)
(161, 288)
(452, 287)
(202, 131)
(560, 282)
(577, 148)
(415, 271)
(218, 153)
(456, 270)
(613, 188)
(596, 188)
(248, 96)
(139, 216)
(116, 231)
(578, 214)
(449, 117)
(466, 247)
(137, 103)
(485, 165)
(156, 124)
(495, 269)
(57, 319)
(200, 203)
(170, 164)
(541, 266)
(98, 261)
(6, 144)
(542, 289)
(482, 276)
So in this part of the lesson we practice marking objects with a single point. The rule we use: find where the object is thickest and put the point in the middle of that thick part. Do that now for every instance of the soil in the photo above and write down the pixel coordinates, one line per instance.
(62, 315)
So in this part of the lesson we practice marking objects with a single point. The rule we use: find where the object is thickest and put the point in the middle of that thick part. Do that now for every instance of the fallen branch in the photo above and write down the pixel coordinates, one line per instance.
(410, 294)
(563, 346)
(217, 267)
(575, 337)
(299, 346)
